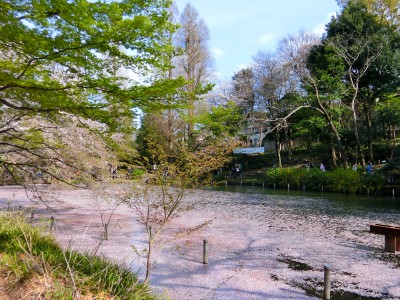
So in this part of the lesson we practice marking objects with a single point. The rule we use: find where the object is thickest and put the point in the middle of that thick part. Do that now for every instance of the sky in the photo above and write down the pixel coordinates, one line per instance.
(241, 28)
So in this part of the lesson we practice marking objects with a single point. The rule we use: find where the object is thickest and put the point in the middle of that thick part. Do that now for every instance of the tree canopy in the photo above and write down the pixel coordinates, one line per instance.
(88, 60)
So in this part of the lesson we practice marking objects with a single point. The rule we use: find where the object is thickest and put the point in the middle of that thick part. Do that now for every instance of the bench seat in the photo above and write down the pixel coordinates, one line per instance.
(392, 236)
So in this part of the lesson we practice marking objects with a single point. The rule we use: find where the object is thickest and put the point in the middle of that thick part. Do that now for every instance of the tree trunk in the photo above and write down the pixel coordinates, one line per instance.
(333, 154)
(359, 153)
(393, 128)
(289, 144)
(369, 126)
(278, 150)
(148, 260)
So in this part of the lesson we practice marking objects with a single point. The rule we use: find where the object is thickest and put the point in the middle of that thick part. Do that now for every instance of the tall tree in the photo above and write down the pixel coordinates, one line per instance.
(272, 83)
(369, 51)
(243, 90)
(195, 64)
(387, 11)
(58, 59)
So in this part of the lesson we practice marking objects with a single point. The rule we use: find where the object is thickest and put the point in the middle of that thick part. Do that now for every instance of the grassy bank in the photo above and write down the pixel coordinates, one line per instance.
(33, 266)
(342, 180)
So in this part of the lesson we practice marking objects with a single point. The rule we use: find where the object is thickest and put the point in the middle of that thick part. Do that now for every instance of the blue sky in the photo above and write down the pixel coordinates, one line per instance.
(241, 28)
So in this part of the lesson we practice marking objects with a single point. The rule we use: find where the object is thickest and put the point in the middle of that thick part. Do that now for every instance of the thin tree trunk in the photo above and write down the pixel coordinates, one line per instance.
(369, 125)
(333, 154)
(394, 141)
(289, 144)
(149, 254)
(278, 150)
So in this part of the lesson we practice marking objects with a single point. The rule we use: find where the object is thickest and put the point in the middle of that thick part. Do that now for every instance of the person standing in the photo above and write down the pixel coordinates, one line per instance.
(369, 169)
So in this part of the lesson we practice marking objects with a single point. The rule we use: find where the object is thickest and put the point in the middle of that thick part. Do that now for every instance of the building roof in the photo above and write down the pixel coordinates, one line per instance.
(258, 150)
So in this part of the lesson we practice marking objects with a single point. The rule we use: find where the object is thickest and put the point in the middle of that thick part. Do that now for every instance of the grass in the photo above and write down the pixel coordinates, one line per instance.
(33, 264)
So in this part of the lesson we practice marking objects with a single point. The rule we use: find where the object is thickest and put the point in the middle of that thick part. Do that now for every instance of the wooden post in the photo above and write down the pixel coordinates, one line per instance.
(392, 243)
(106, 232)
(52, 224)
(205, 252)
(327, 282)
(8, 206)
(32, 215)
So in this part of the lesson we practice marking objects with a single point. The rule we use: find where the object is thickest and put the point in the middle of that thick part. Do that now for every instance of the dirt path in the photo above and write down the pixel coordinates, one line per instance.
(259, 247)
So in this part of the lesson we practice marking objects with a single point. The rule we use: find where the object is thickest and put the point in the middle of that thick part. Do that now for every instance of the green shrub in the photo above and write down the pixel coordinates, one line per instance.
(372, 182)
(338, 180)
(137, 173)
(344, 180)
(315, 179)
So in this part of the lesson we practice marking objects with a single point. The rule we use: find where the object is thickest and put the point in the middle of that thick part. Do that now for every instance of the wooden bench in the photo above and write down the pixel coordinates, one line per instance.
(391, 233)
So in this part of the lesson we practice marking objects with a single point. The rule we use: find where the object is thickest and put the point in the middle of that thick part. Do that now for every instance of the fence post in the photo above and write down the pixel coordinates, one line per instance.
(32, 215)
(205, 252)
(106, 232)
(8, 206)
(327, 282)
(52, 223)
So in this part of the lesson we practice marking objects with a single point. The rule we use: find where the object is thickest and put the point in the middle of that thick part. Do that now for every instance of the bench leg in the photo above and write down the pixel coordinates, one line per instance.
(392, 243)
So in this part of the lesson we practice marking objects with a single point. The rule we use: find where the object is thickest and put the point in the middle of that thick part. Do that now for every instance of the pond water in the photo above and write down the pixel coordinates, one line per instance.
(334, 202)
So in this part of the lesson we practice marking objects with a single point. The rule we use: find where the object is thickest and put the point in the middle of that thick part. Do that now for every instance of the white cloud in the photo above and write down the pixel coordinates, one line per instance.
(320, 29)
(242, 66)
(217, 52)
(266, 38)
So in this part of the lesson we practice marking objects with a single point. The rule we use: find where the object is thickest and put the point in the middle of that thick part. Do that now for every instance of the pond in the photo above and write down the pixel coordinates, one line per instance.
(327, 203)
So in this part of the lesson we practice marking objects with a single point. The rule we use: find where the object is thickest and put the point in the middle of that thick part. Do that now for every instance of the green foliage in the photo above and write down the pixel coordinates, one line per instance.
(388, 112)
(137, 173)
(285, 176)
(59, 59)
(74, 62)
(221, 120)
(372, 182)
(339, 180)
(344, 180)
(315, 179)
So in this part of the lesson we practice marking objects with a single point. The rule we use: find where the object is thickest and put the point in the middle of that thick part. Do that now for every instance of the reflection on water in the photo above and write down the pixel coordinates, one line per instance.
(328, 203)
